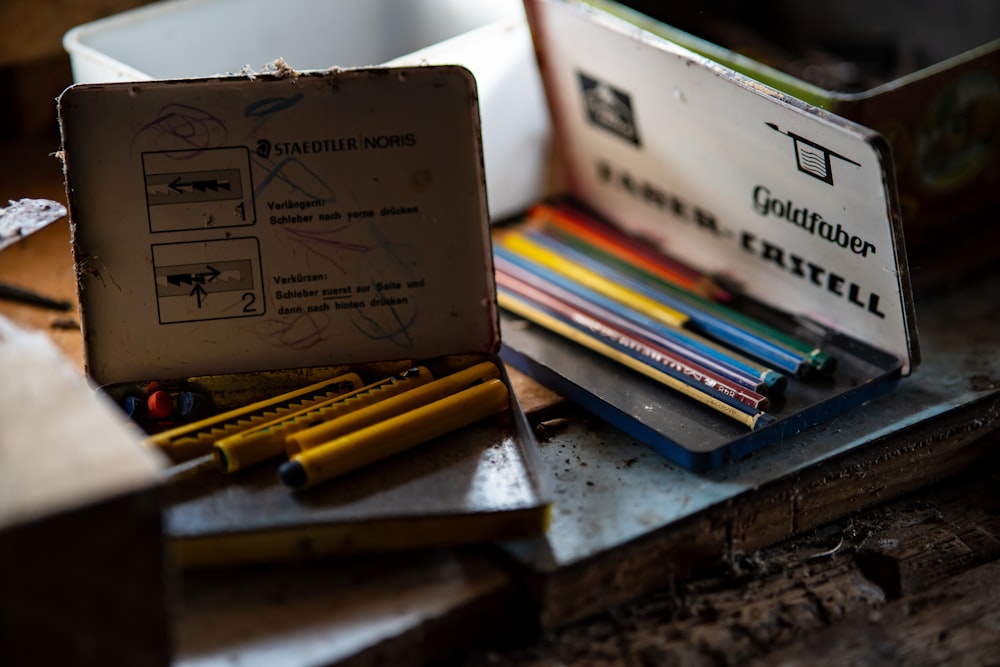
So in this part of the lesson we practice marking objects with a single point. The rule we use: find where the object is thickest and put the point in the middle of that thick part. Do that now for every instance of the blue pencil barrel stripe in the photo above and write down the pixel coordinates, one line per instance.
(758, 418)
(602, 323)
(729, 364)
(674, 345)
(767, 351)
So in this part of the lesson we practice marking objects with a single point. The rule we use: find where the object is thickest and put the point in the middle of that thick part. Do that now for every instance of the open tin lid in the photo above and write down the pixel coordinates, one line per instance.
(793, 204)
(291, 220)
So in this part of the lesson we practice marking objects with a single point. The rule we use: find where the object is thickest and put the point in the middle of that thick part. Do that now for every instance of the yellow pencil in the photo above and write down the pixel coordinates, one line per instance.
(196, 439)
(267, 440)
(378, 441)
(537, 253)
(397, 405)
(528, 312)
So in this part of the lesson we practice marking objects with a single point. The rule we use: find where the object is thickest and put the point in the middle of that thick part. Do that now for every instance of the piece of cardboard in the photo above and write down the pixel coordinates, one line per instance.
(793, 205)
(276, 224)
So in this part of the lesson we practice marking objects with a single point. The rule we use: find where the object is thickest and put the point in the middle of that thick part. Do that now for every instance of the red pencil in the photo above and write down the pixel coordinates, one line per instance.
(602, 323)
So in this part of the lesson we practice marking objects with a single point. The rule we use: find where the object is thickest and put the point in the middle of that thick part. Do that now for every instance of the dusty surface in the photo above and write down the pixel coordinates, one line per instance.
(911, 582)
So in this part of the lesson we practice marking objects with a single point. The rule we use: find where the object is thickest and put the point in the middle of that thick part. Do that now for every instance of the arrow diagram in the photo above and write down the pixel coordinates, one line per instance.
(198, 292)
(214, 185)
(194, 278)
(207, 185)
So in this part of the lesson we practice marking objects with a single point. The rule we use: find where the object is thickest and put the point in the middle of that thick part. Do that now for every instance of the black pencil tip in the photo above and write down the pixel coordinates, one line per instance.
(291, 473)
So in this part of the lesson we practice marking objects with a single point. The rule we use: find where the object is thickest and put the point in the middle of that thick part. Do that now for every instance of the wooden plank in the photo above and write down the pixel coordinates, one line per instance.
(661, 554)
(808, 600)
(949, 533)
(81, 546)
(410, 609)
(956, 621)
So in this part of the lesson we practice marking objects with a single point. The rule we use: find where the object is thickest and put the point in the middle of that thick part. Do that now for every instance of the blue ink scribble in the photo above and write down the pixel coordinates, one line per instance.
(296, 175)
(301, 333)
(262, 109)
(326, 245)
(396, 331)
(187, 128)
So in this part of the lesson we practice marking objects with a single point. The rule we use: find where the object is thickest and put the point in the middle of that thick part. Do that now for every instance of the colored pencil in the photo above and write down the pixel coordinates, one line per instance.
(267, 440)
(714, 359)
(520, 244)
(580, 225)
(196, 439)
(391, 407)
(727, 362)
(608, 327)
(718, 402)
(391, 436)
(552, 251)
(607, 251)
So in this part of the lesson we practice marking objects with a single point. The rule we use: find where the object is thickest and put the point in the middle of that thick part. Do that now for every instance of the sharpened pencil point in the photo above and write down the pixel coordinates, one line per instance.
(823, 362)
(291, 473)
(776, 383)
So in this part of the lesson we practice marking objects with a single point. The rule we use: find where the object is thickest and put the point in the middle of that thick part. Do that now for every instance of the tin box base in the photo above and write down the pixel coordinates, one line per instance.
(678, 428)
(479, 484)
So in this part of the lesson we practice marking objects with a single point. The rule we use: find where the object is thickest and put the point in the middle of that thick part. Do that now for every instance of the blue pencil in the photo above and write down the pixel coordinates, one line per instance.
(629, 357)
(723, 361)
(771, 353)
(608, 325)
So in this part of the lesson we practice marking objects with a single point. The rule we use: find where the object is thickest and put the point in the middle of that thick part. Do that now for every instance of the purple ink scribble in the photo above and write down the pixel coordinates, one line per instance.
(185, 128)
(300, 179)
(301, 333)
(396, 330)
(325, 245)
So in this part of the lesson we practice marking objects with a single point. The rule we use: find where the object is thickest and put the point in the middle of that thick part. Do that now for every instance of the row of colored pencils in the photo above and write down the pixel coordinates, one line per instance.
(598, 287)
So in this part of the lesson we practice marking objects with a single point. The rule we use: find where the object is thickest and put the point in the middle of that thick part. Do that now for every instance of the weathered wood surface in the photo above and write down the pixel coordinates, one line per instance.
(668, 561)
(81, 545)
(819, 599)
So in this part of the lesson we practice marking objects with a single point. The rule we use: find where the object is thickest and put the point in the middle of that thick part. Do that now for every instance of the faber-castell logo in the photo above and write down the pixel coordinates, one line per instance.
(609, 108)
(812, 158)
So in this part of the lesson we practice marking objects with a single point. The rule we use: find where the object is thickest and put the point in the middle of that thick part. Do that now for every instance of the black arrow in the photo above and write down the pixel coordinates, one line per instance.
(199, 292)
(212, 184)
(192, 278)
(181, 279)
(212, 274)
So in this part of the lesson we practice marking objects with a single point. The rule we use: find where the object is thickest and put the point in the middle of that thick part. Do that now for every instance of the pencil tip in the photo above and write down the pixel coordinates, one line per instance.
(291, 473)
(776, 383)
(823, 362)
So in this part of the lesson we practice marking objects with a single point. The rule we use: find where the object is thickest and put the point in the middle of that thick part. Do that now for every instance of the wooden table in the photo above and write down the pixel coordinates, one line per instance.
(694, 569)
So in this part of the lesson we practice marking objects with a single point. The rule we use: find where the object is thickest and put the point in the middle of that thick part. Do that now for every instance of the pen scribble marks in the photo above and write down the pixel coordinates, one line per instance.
(181, 126)
(326, 245)
(300, 333)
(392, 322)
(264, 108)
(300, 179)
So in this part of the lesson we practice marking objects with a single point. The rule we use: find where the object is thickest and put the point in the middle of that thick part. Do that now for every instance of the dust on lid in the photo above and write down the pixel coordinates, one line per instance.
(254, 223)
(795, 205)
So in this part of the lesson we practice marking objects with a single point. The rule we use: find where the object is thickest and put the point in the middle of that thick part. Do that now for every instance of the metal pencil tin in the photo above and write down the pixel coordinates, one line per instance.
(245, 235)
(793, 205)
(924, 75)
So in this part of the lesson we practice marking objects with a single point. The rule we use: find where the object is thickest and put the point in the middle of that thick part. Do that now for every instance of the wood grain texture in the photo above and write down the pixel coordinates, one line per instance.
(814, 600)
(81, 545)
